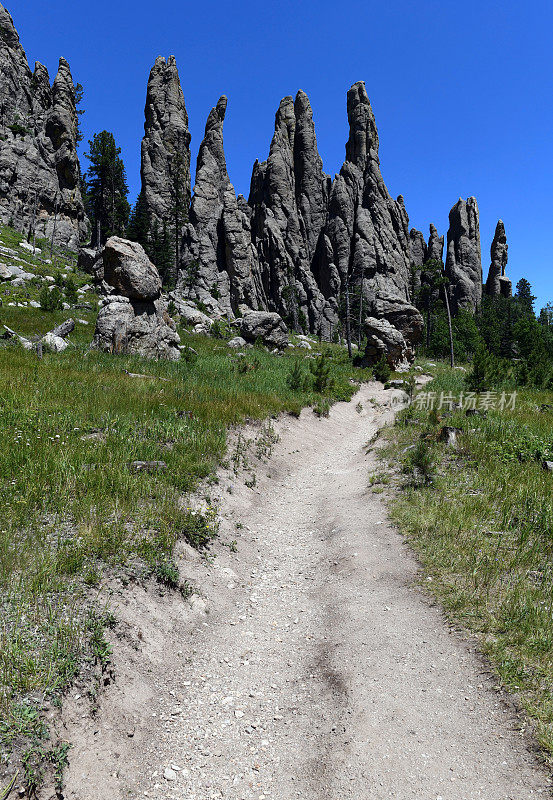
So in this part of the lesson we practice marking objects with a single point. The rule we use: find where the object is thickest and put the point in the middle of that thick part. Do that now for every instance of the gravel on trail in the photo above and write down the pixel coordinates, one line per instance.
(312, 666)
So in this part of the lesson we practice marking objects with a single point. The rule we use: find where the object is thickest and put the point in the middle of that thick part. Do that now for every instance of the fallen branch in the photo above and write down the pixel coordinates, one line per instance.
(138, 375)
(64, 329)
(8, 790)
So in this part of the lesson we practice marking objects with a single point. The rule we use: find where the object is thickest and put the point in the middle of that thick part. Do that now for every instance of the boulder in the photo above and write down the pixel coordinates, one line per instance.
(129, 271)
(237, 343)
(383, 339)
(10, 272)
(53, 343)
(139, 327)
(87, 259)
(189, 313)
(265, 325)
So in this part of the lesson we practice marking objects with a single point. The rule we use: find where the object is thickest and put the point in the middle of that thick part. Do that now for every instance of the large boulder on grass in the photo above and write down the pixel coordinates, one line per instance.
(137, 327)
(127, 268)
(267, 326)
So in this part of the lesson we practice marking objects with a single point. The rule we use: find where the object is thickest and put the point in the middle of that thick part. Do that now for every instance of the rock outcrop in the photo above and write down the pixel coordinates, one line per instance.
(219, 264)
(463, 264)
(289, 197)
(418, 256)
(39, 167)
(366, 239)
(498, 283)
(265, 326)
(435, 247)
(417, 248)
(165, 156)
(133, 318)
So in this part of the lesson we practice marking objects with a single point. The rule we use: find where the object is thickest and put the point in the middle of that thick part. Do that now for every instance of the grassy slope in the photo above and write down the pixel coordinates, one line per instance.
(70, 508)
(484, 532)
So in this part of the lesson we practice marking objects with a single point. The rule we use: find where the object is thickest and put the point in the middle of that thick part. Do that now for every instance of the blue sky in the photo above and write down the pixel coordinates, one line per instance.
(462, 92)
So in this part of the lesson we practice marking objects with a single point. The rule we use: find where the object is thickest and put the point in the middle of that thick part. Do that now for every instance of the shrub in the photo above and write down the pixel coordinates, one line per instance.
(71, 291)
(296, 378)
(421, 462)
(322, 382)
(51, 300)
(381, 370)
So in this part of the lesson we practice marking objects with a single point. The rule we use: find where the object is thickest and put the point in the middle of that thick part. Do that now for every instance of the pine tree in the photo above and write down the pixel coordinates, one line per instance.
(79, 94)
(107, 190)
(524, 297)
(179, 215)
(139, 222)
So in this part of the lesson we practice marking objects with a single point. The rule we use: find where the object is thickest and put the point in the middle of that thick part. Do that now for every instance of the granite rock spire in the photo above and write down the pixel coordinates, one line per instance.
(39, 166)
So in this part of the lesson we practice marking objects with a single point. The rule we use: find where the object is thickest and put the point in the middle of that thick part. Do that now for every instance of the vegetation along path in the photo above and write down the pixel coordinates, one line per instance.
(315, 667)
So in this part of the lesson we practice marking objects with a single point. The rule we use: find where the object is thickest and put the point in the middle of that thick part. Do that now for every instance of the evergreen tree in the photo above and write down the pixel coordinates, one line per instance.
(139, 222)
(107, 190)
(546, 316)
(524, 297)
(79, 94)
(179, 215)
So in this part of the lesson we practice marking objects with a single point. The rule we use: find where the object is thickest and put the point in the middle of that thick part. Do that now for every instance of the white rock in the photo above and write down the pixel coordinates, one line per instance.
(54, 343)
(170, 774)
(34, 304)
(237, 342)
(29, 247)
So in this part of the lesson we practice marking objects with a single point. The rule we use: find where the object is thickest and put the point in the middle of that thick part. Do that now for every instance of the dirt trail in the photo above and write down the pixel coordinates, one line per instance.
(316, 671)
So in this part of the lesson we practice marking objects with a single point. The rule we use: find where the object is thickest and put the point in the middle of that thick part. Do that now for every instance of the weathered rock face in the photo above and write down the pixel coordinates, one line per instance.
(435, 248)
(165, 161)
(417, 248)
(366, 239)
(265, 325)
(385, 340)
(129, 271)
(133, 318)
(497, 282)
(289, 198)
(418, 256)
(134, 327)
(39, 167)
(463, 264)
(218, 264)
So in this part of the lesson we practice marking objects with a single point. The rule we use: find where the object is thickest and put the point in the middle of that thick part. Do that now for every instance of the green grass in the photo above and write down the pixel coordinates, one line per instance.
(483, 528)
(15, 300)
(72, 512)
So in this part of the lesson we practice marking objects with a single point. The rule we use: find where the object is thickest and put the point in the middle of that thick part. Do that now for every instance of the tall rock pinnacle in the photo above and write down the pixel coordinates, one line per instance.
(463, 264)
(218, 264)
(435, 247)
(497, 282)
(288, 197)
(39, 166)
(165, 161)
(366, 239)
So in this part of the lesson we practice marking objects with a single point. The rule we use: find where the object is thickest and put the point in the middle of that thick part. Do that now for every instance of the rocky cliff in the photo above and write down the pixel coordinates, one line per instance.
(302, 245)
(219, 264)
(289, 197)
(165, 155)
(39, 167)
(302, 242)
